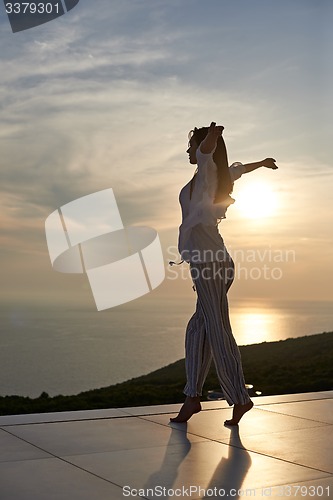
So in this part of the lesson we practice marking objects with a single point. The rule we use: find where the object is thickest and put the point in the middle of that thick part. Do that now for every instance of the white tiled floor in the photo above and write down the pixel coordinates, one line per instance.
(282, 449)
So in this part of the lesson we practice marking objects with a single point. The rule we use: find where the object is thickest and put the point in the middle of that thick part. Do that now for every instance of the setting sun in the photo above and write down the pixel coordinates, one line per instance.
(256, 200)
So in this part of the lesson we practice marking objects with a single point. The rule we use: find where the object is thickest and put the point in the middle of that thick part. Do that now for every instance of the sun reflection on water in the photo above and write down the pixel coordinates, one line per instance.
(255, 325)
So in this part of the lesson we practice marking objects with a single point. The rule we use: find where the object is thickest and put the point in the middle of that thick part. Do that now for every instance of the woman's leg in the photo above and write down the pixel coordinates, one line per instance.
(212, 281)
(198, 354)
(209, 335)
(198, 358)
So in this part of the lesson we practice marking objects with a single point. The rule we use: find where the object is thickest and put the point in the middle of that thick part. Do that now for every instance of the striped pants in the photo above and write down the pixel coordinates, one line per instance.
(209, 335)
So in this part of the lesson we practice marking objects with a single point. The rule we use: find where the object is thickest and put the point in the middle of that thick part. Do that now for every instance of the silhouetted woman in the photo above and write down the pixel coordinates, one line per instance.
(204, 202)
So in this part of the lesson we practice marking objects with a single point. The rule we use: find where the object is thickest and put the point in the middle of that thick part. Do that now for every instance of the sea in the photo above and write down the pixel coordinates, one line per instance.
(67, 350)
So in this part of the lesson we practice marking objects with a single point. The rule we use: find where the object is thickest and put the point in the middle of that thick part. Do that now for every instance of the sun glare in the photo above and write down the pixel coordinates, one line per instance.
(253, 327)
(256, 200)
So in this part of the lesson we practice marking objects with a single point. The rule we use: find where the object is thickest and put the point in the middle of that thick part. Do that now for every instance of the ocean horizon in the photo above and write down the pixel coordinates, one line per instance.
(67, 350)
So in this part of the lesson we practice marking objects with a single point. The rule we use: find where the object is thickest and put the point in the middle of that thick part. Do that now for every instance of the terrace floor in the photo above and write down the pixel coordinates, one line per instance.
(281, 449)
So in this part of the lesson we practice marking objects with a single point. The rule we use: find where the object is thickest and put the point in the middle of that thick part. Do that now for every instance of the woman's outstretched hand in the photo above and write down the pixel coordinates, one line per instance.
(269, 163)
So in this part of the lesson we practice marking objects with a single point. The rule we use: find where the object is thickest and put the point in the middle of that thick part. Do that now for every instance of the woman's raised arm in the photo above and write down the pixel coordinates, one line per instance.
(209, 143)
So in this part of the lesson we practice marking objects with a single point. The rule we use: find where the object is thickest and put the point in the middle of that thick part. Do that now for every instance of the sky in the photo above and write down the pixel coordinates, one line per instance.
(105, 97)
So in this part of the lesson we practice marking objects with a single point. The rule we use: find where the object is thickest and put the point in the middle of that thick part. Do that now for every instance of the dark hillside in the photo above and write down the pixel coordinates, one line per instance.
(285, 367)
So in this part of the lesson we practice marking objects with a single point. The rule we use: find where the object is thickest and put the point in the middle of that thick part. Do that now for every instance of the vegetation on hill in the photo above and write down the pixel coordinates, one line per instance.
(284, 367)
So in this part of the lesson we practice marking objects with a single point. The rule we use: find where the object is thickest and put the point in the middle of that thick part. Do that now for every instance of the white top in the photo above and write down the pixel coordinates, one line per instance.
(199, 238)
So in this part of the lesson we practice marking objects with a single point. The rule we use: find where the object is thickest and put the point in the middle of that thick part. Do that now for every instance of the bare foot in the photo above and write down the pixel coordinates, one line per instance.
(238, 412)
(191, 406)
